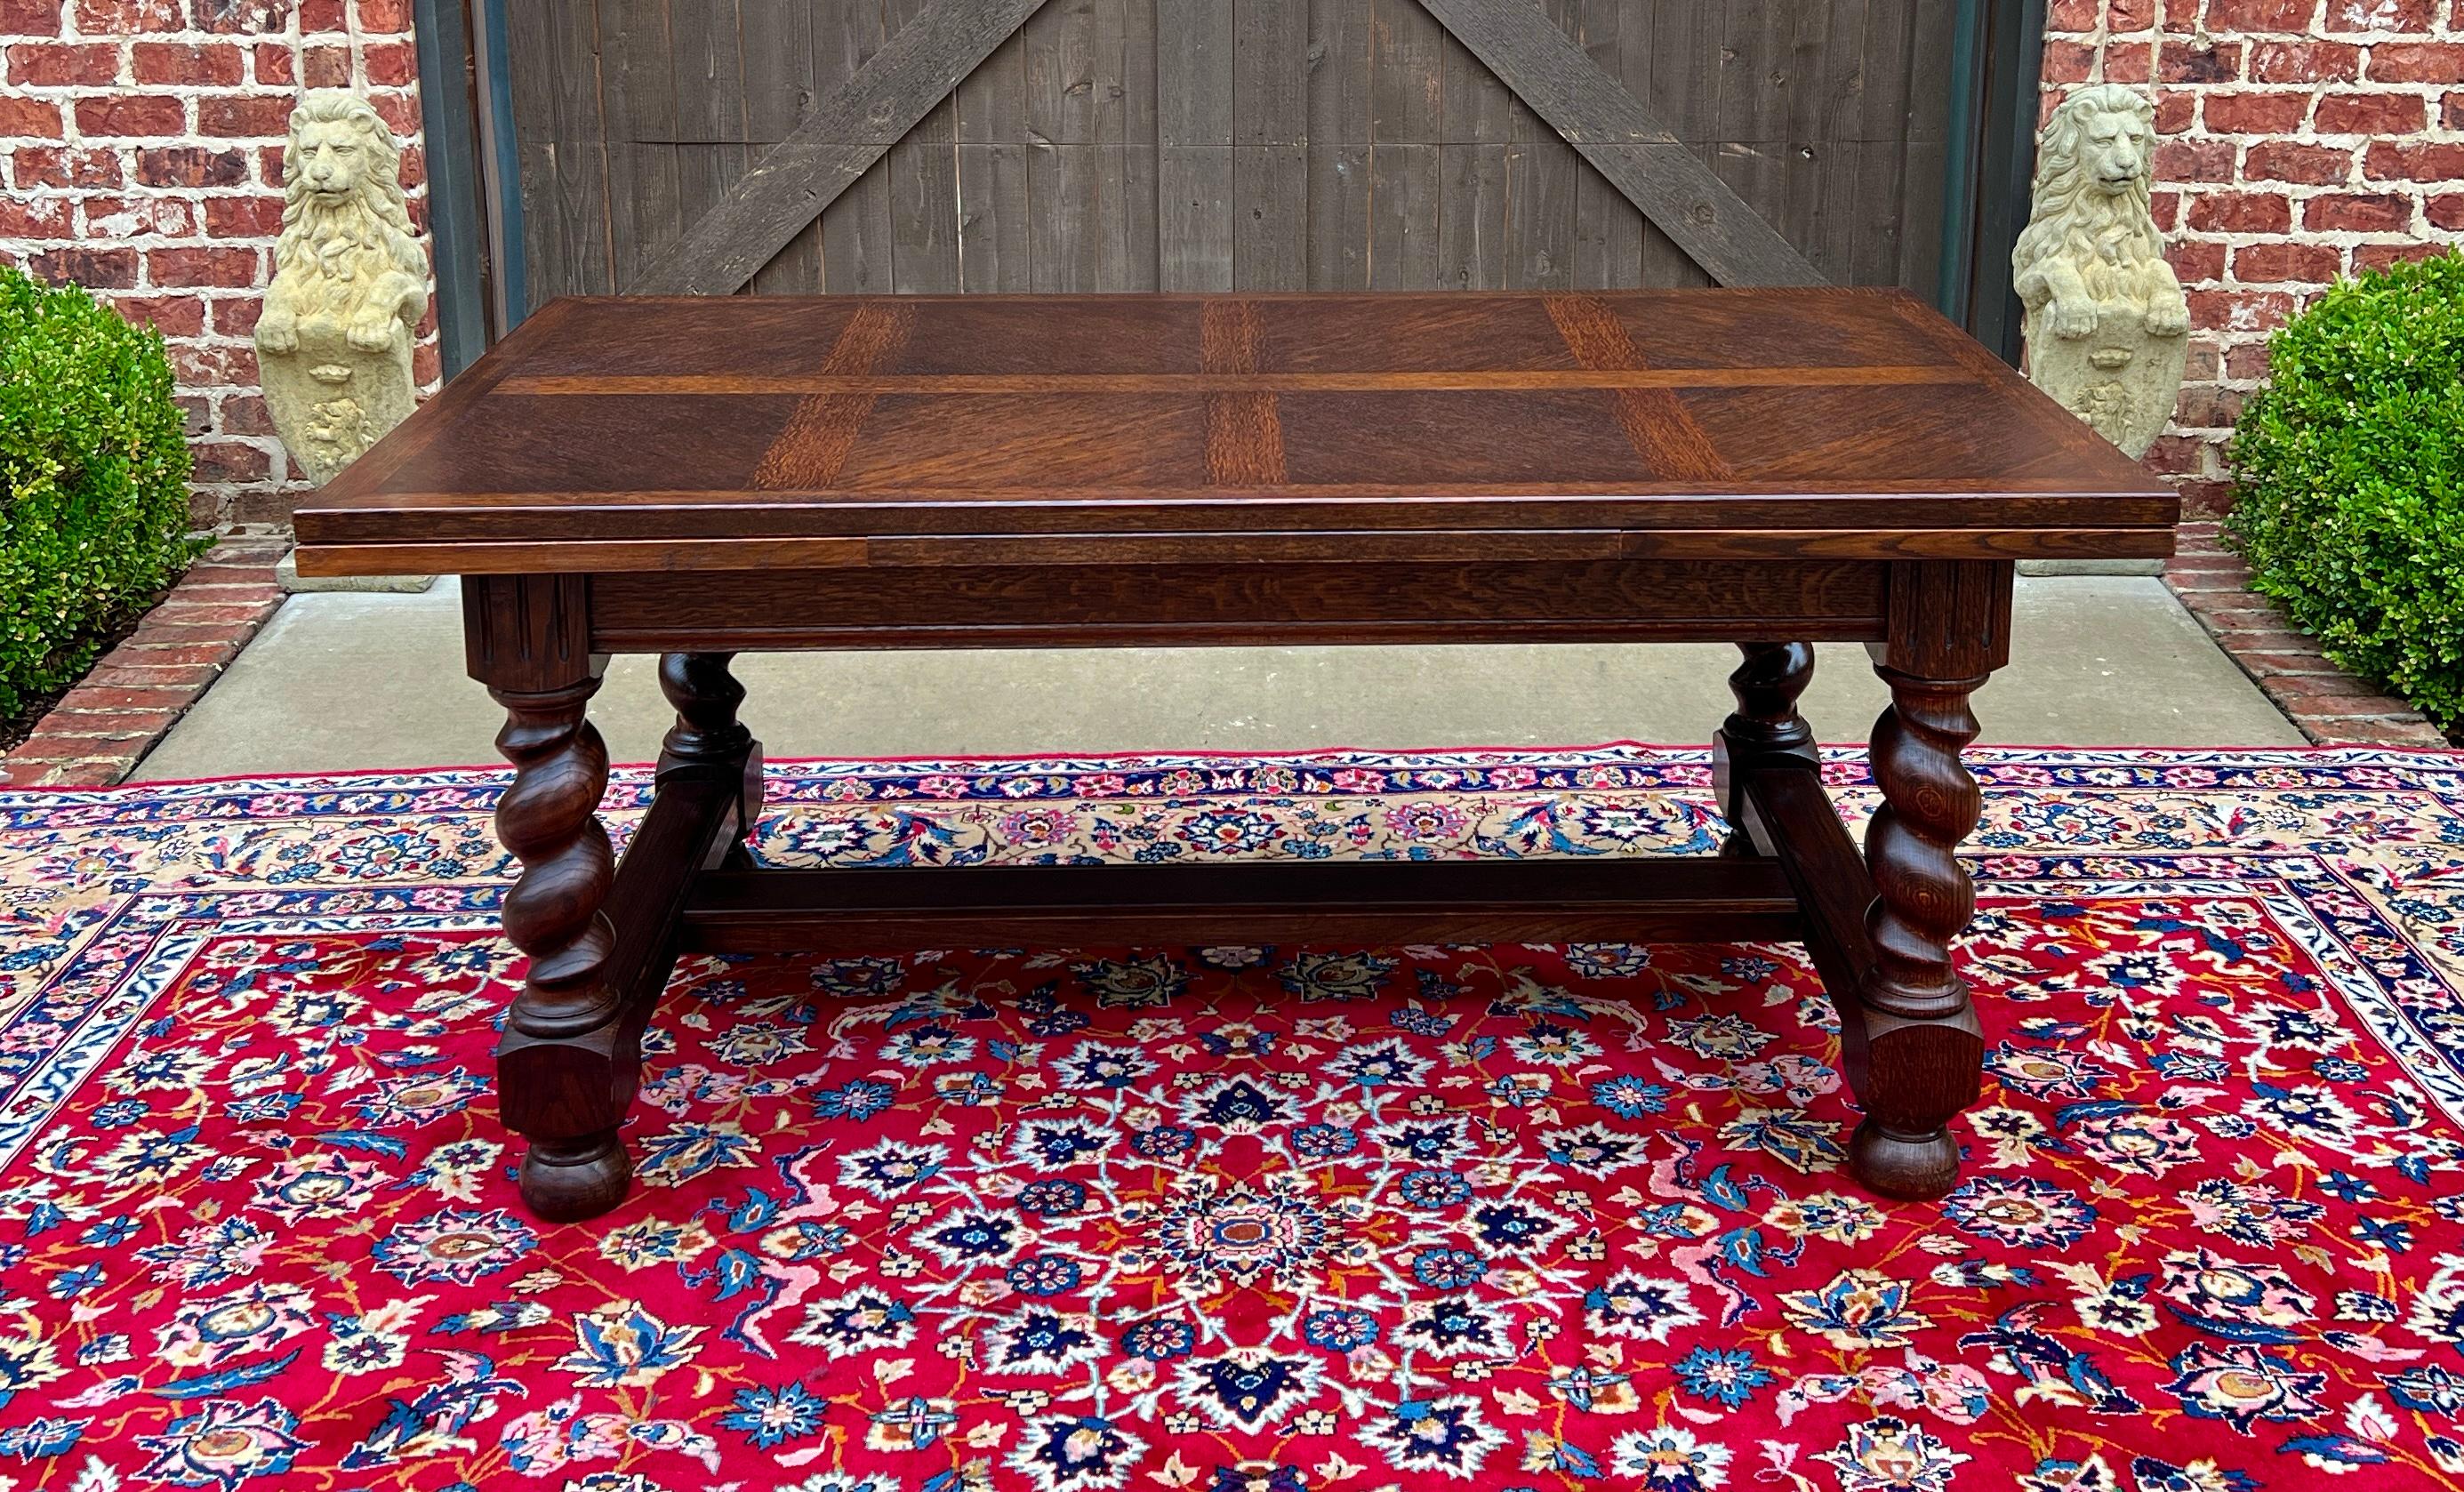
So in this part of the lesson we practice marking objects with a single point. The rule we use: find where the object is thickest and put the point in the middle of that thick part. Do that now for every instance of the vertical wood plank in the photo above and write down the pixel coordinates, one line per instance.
(796, 270)
(1194, 217)
(1406, 190)
(1337, 130)
(1748, 135)
(645, 191)
(1471, 220)
(1923, 121)
(1270, 139)
(1608, 229)
(777, 46)
(1542, 189)
(1475, 107)
(1337, 98)
(1075, 66)
(1339, 217)
(992, 99)
(1522, 122)
(546, 242)
(856, 232)
(1193, 89)
(1269, 72)
(1406, 118)
(1106, 240)
(560, 137)
(923, 215)
(923, 191)
(995, 216)
(1270, 217)
(995, 200)
(706, 60)
(1682, 86)
(856, 237)
(1141, 108)
(1406, 74)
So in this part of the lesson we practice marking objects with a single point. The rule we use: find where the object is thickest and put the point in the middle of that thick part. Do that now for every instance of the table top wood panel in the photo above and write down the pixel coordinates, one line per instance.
(745, 431)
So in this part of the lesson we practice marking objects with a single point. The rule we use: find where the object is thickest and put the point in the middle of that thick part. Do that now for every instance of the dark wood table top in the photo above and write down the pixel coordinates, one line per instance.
(742, 432)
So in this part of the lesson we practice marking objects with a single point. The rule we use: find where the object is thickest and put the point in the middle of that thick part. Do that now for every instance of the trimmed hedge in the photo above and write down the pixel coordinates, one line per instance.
(94, 515)
(2349, 480)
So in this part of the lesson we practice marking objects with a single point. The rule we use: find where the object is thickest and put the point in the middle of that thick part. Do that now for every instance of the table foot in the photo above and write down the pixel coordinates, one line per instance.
(1911, 1168)
(568, 1180)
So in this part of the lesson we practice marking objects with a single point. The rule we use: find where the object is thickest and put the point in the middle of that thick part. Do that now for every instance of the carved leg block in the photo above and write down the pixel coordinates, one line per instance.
(554, 1090)
(1915, 1076)
(1764, 728)
(1915, 1054)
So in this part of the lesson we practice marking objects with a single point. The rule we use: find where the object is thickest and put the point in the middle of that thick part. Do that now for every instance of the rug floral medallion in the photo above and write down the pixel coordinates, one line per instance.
(1243, 1218)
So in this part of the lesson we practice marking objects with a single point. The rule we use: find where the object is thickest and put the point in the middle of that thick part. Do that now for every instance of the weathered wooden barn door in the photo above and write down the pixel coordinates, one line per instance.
(1142, 145)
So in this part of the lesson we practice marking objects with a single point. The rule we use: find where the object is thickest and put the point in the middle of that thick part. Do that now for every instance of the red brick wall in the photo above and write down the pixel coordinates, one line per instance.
(2302, 140)
(142, 144)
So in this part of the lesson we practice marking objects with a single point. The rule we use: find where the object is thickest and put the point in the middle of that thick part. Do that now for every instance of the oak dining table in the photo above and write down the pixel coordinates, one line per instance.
(699, 477)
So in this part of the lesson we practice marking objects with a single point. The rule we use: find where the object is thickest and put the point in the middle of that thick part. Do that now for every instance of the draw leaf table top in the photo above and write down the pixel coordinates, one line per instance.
(699, 477)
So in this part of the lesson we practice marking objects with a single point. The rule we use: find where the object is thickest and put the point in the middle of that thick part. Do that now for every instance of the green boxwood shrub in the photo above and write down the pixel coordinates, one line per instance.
(2349, 480)
(94, 515)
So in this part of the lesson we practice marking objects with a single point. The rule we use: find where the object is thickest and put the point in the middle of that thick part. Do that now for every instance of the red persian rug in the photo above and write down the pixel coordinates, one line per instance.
(1243, 1218)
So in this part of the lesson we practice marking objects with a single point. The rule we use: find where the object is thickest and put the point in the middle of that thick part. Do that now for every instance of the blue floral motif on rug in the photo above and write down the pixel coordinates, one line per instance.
(1243, 1218)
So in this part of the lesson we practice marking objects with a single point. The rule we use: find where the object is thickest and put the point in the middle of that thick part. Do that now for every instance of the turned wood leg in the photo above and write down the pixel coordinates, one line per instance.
(1764, 729)
(562, 1080)
(1923, 1050)
(1913, 1050)
(707, 733)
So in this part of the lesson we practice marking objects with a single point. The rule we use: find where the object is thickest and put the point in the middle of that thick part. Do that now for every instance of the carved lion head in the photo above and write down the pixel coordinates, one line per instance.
(341, 155)
(2101, 140)
(2093, 175)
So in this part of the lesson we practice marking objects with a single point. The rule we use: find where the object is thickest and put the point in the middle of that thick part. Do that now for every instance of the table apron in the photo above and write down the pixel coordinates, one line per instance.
(1251, 604)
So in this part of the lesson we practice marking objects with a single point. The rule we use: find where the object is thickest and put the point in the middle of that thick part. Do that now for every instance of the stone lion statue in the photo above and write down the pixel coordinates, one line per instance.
(2105, 317)
(350, 284)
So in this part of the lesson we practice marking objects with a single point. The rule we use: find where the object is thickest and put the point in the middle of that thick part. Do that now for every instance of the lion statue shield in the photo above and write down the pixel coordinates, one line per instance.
(2106, 318)
(350, 284)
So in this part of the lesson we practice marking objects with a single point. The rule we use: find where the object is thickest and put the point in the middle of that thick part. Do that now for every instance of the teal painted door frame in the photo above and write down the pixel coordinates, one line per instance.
(1998, 62)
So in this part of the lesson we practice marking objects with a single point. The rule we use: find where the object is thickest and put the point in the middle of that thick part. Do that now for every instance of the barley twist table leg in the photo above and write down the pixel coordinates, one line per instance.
(563, 1086)
(1923, 1050)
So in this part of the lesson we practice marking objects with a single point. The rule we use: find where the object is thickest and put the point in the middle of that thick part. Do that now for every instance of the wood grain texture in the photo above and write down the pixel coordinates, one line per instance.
(1624, 142)
(561, 130)
(1347, 903)
(743, 432)
(1764, 729)
(1368, 147)
(1213, 469)
(1949, 627)
(818, 436)
(1477, 598)
(1664, 431)
(770, 203)
(1245, 440)
(527, 641)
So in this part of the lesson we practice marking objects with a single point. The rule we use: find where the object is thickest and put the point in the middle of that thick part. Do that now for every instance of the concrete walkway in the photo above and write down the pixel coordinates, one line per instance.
(337, 682)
